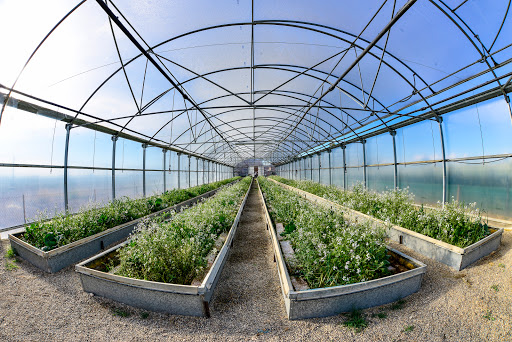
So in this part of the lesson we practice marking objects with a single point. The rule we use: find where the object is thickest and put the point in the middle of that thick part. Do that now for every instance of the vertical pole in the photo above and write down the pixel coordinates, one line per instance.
(189, 172)
(144, 146)
(208, 173)
(164, 151)
(24, 211)
(395, 174)
(344, 147)
(364, 162)
(319, 168)
(66, 154)
(197, 171)
(179, 171)
(330, 171)
(311, 166)
(440, 121)
(114, 141)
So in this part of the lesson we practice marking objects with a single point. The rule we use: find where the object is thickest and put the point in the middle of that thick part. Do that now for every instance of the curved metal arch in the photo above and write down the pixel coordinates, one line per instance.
(274, 135)
(277, 23)
(274, 109)
(262, 118)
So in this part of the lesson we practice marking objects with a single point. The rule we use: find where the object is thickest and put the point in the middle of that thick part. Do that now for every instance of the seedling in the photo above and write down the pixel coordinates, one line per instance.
(356, 321)
(501, 265)
(10, 253)
(398, 305)
(489, 316)
(120, 312)
(144, 315)
(11, 266)
(495, 287)
(409, 328)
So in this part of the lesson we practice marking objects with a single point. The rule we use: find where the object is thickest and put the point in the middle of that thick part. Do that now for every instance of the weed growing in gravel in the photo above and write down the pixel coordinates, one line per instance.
(10, 253)
(120, 312)
(409, 328)
(488, 315)
(457, 223)
(398, 305)
(495, 287)
(63, 228)
(144, 315)
(382, 315)
(11, 265)
(330, 251)
(501, 265)
(175, 251)
(356, 320)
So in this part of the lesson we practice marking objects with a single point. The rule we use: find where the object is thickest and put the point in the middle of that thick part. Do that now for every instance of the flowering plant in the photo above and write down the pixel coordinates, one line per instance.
(329, 250)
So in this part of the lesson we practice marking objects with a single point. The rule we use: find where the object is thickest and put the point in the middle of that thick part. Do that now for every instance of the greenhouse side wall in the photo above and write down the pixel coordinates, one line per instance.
(32, 177)
(477, 149)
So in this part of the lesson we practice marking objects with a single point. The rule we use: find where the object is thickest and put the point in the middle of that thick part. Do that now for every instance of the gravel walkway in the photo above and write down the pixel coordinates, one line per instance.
(248, 304)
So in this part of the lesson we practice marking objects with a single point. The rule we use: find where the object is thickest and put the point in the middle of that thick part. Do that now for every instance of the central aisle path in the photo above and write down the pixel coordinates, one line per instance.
(248, 291)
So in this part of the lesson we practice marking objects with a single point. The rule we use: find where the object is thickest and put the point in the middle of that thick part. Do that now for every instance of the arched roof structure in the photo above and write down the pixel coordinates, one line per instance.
(233, 80)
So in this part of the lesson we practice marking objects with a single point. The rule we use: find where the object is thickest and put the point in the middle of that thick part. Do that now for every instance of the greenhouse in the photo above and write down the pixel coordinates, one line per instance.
(238, 170)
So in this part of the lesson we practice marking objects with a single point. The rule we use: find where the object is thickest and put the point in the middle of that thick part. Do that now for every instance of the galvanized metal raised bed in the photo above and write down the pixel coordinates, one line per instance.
(456, 257)
(330, 301)
(58, 258)
(156, 296)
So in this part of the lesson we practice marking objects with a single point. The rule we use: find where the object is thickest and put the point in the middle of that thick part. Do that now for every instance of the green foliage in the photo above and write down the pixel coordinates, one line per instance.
(409, 328)
(495, 287)
(120, 313)
(382, 315)
(398, 305)
(356, 320)
(144, 315)
(92, 219)
(175, 251)
(329, 250)
(10, 253)
(457, 223)
(11, 265)
(488, 315)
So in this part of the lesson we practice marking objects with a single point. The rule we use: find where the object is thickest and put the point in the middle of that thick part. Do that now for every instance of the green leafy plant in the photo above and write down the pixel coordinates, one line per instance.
(11, 265)
(175, 251)
(398, 305)
(456, 223)
(488, 315)
(120, 312)
(495, 287)
(144, 315)
(63, 229)
(329, 250)
(409, 328)
(356, 320)
(10, 253)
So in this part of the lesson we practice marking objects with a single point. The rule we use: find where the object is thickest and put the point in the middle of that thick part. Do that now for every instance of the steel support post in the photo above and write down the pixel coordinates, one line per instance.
(440, 121)
(197, 171)
(66, 154)
(179, 170)
(189, 172)
(208, 171)
(344, 147)
(395, 164)
(363, 142)
(330, 170)
(311, 166)
(144, 147)
(164, 151)
(114, 142)
(319, 168)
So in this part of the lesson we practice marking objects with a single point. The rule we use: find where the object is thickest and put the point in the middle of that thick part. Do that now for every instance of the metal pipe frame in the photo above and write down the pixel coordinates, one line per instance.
(66, 156)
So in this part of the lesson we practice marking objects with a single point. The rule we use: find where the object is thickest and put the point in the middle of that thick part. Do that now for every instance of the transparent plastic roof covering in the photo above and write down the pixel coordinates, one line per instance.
(232, 80)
